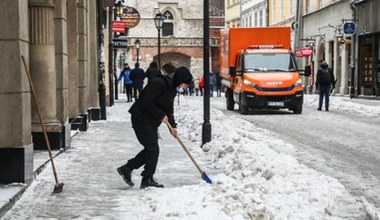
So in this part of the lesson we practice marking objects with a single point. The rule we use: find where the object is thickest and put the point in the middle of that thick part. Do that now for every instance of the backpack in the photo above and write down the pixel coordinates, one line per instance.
(325, 77)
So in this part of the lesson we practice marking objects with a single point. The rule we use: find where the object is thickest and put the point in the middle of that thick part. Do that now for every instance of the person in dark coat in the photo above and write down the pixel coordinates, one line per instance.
(152, 71)
(137, 76)
(218, 84)
(325, 80)
(154, 106)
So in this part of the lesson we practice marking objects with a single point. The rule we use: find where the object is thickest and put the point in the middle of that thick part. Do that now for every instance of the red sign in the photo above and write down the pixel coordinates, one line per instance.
(306, 51)
(118, 26)
(298, 53)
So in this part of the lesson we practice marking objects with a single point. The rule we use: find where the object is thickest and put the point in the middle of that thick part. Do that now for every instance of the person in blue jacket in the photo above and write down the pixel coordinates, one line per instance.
(127, 81)
(154, 106)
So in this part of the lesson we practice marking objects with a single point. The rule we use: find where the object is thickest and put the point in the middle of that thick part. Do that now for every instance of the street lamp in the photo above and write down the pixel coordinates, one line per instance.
(206, 127)
(137, 45)
(119, 9)
(159, 21)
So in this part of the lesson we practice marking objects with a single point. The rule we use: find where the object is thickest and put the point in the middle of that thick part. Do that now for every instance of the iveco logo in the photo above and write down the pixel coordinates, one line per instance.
(274, 83)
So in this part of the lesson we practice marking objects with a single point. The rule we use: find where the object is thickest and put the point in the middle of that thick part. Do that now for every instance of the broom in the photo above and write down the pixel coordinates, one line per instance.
(58, 186)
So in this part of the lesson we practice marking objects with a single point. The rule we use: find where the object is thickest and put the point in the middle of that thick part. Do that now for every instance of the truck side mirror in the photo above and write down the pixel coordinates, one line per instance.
(307, 70)
(232, 71)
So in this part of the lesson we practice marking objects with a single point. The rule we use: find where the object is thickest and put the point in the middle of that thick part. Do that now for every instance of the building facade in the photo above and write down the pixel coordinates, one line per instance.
(232, 10)
(325, 26)
(56, 43)
(254, 13)
(67, 46)
(181, 39)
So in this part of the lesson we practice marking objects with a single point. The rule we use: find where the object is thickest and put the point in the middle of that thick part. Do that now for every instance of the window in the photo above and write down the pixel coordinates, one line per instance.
(168, 25)
(256, 21)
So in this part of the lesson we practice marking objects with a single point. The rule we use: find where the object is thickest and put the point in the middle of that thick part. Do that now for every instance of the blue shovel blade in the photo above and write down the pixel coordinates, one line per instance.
(206, 178)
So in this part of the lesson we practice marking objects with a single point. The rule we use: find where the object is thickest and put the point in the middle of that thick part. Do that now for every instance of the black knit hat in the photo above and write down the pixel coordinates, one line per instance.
(182, 75)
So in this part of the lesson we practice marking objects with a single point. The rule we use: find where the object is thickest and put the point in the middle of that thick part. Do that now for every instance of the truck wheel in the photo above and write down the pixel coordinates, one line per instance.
(242, 108)
(230, 100)
(297, 110)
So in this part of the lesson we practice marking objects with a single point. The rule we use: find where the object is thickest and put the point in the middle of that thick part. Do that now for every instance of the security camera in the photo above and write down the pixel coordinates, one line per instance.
(342, 41)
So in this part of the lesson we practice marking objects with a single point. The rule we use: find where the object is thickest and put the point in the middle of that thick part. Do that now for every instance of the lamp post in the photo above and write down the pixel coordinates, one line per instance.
(118, 12)
(137, 45)
(206, 127)
(158, 21)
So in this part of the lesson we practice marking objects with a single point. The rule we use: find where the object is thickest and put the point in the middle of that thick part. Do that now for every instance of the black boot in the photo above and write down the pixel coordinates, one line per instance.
(148, 181)
(126, 173)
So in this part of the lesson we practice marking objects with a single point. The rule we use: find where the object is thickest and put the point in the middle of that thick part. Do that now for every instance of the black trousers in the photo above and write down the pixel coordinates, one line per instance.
(128, 91)
(147, 135)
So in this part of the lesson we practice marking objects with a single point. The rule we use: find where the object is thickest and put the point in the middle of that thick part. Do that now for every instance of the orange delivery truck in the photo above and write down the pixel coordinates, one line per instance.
(259, 69)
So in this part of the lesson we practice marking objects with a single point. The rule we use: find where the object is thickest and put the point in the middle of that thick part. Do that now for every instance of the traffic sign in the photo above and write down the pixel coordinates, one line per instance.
(349, 28)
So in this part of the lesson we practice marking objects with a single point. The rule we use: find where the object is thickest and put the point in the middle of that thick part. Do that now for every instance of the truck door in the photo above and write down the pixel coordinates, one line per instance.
(238, 79)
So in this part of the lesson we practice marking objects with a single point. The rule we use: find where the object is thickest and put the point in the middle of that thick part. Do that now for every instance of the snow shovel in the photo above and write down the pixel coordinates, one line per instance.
(58, 186)
(203, 174)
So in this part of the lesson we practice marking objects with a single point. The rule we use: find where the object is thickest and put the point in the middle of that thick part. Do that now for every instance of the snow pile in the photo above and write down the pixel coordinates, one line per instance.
(257, 182)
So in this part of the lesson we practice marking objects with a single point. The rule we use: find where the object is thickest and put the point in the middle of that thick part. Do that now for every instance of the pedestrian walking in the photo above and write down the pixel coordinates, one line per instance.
(137, 76)
(152, 71)
(127, 81)
(212, 83)
(154, 106)
(201, 84)
(196, 86)
(324, 83)
(218, 79)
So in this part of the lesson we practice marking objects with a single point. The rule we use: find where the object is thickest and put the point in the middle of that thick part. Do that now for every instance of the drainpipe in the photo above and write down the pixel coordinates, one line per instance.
(296, 27)
(352, 88)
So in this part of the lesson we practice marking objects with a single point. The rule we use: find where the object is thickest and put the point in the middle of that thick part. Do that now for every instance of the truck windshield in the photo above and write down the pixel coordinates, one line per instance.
(269, 62)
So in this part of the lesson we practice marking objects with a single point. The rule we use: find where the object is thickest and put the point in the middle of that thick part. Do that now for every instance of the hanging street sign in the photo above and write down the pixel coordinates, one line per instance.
(304, 52)
(349, 28)
(118, 26)
(120, 43)
(131, 17)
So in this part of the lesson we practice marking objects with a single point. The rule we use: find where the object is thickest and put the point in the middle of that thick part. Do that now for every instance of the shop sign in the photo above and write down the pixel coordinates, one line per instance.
(304, 52)
(120, 43)
(118, 26)
(131, 17)
(349, 28)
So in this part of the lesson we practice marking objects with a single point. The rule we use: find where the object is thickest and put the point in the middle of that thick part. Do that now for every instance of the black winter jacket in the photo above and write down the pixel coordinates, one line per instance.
(156, 101)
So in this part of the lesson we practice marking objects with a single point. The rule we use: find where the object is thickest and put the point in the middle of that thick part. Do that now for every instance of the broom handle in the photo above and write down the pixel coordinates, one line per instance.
(184, 148)
(40, 117)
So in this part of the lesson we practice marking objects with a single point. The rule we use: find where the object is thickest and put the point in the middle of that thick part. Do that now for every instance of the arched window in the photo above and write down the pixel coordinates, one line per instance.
(168, 25)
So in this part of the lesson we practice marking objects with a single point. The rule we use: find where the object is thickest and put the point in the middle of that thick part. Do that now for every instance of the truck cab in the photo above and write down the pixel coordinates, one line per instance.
(259, 69)
(265, 76)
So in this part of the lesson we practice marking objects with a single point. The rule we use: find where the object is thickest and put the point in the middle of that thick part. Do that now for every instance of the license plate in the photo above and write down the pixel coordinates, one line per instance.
(276, 104)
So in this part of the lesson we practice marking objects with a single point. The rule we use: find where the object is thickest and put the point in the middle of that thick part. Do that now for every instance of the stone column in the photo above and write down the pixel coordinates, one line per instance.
(16, 150)
(92, 64)
(42, 69)
(60, 33)
(93, 55)
(345, 71)
(72, 50)
(83, 90)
